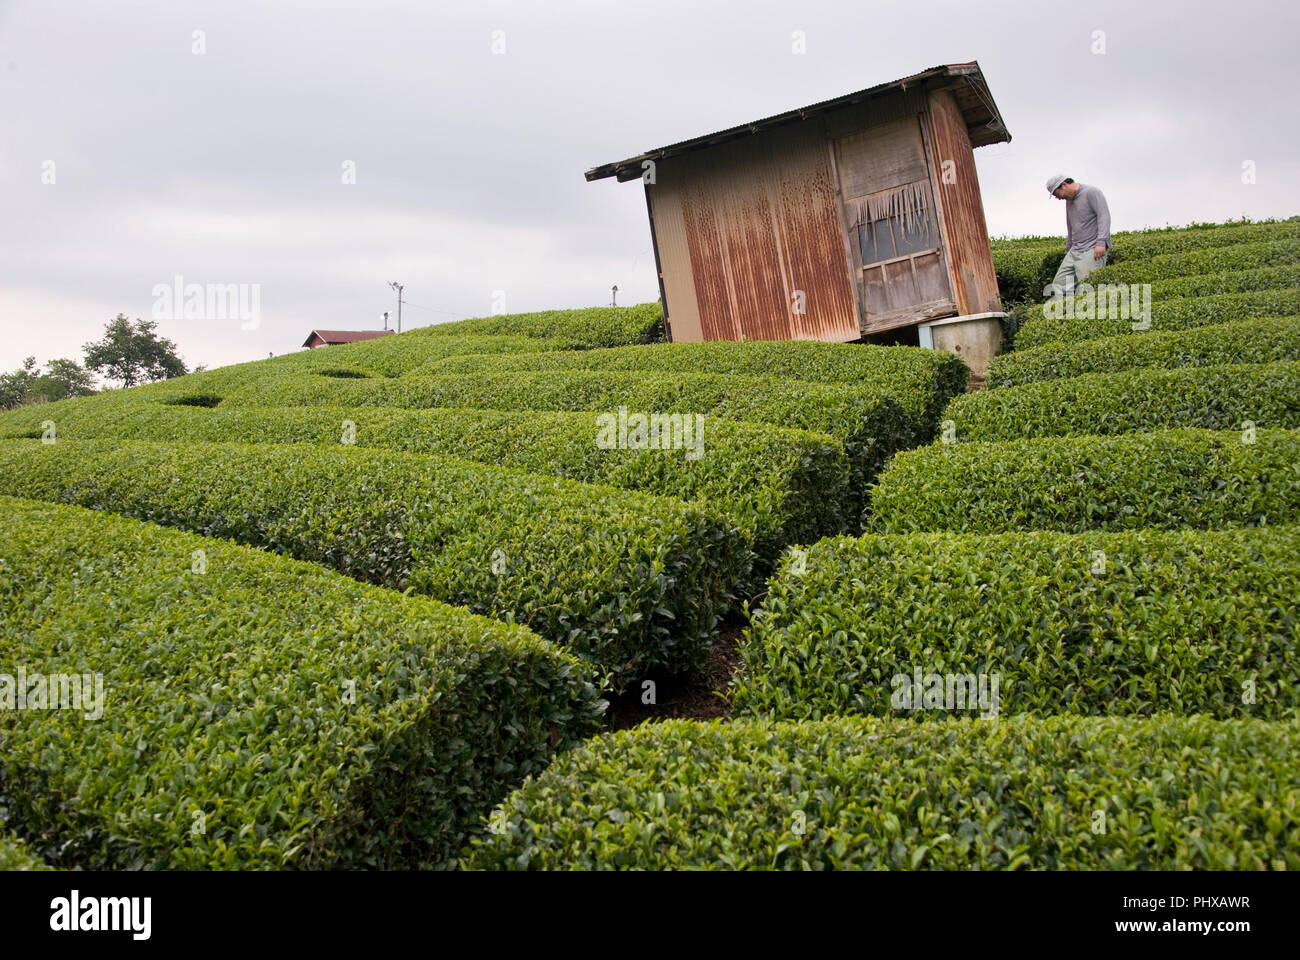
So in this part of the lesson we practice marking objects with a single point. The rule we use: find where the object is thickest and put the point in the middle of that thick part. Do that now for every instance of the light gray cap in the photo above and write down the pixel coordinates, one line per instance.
(1055, 181)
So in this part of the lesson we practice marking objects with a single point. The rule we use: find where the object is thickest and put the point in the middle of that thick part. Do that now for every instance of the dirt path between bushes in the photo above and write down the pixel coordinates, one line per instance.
(697, 698)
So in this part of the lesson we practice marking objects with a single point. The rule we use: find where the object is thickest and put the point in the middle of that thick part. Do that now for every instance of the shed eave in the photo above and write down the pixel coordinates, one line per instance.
(983, 120)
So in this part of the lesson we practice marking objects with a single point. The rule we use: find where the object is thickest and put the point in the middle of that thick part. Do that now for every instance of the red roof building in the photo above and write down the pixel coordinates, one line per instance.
(328, 338)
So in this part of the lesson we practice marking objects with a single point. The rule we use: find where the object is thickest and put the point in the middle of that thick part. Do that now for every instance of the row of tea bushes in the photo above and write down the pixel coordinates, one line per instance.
(1238, 257)
(1158, 241)
(1164, 479)
(1177, 313)
(583, 328)
(390, 356)
(781, 485)
(1171, 793)
(869, 421)
(1283, 277)
(1242, 341)
(256, 712)
(1228, 397)
(921, 380)
(1025, 266)
(1145, 244)
(1132, 623)
(628, 581)
(1023, 272)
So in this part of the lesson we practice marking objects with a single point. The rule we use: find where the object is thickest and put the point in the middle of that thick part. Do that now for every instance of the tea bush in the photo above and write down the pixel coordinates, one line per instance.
(626, 580)
(299, 718)
(1024, 266)
(1022, 272)
(1165, 479)
(1241, 341)
(1177, 794)
(1177, 313)
(16, 855)
(1217, 398)
(922, 380)
(1210, 260)
(1130, 623)
(781, 485)
(586, 327)
(870, 422)
(390, 356)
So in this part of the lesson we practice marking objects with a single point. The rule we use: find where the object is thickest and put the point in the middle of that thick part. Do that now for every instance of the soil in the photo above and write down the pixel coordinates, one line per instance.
(697, 697)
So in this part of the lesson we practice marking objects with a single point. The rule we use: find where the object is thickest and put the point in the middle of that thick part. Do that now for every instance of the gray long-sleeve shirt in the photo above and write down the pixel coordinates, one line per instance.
(1087, 220)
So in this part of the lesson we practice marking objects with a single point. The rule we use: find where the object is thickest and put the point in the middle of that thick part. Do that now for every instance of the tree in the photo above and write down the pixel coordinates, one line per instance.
(63, 378)
(133, 353)
(17, 386)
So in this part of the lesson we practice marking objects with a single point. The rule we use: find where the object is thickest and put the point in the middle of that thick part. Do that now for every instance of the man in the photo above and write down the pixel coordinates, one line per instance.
(1087, 233)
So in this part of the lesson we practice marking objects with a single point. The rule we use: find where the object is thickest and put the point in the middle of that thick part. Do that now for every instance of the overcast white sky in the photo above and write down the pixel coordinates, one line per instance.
(227, 166)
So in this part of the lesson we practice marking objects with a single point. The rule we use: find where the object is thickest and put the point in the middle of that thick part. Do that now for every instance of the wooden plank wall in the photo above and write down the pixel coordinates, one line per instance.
(974, 281)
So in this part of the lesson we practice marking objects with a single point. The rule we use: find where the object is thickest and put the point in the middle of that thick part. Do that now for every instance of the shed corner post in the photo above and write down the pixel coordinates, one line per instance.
(659, 270)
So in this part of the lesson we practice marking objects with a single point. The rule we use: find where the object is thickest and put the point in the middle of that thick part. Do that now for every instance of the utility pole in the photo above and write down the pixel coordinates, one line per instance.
(398, 287)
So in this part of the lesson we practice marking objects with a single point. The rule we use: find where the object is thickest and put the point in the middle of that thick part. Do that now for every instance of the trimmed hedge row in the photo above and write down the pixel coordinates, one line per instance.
(587, 327)
(870, 422)
(1144, 244)
(922, 380)
(1216, 398)
(1237, 257)
(1025, 267)
(1178, 313)
(626, 580)
(1023, 272)
(393, 356)
(1166, 479)
(387, 357)
(1155, 241)
(300, 718)
(870, 794)
(781, 485)
(1129, 623)
(1242, 341)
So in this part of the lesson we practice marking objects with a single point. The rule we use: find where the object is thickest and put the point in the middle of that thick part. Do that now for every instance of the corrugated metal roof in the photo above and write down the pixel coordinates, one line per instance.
(345, 336)
(983, 121)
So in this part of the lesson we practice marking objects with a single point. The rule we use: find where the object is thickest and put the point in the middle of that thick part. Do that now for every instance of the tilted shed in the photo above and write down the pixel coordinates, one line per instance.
(844, 218)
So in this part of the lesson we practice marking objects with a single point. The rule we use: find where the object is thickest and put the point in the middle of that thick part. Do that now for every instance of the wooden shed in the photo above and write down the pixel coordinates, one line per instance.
(841, 219)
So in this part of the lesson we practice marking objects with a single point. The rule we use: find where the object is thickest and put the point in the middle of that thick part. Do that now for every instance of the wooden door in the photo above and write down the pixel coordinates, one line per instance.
(893, 226)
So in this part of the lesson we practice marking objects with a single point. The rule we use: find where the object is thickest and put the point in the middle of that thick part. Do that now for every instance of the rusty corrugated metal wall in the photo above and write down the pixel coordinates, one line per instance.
(974, 281)
(744, 225)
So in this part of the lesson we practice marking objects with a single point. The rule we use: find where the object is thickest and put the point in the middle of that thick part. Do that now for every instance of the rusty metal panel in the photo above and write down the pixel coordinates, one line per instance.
(885, 109)
(974, 281)
(762, 224)
(676, 276)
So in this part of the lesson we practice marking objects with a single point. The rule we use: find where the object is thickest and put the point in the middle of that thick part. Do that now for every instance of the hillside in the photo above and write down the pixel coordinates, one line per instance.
(366, 606)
